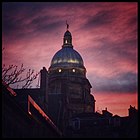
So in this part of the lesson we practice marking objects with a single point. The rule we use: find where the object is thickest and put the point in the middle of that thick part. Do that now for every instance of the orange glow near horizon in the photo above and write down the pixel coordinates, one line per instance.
(116, 103)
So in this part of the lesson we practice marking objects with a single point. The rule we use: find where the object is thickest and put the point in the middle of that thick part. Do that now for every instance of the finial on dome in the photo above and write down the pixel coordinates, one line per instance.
(67, 25)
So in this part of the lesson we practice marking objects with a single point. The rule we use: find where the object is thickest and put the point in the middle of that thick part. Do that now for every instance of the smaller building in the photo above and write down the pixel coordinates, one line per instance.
(105, 125)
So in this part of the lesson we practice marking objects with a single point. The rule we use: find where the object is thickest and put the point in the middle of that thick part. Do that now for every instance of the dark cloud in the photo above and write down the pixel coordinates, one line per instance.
(124, 82)
(13, 24)
(41, 24)
(111, 53)
(133, 21)
(40, 19)
(28, 19)
(100, 19)
(19, 11)
(127, 51)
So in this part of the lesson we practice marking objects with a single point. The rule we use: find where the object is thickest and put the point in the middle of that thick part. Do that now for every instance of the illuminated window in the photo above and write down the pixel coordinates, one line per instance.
(73, 70)
(66, 42)
(59, 70)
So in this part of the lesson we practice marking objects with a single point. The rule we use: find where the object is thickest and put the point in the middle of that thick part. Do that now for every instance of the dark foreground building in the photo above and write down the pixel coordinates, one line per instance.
(20, 123)
(63, 105)
(105, 125)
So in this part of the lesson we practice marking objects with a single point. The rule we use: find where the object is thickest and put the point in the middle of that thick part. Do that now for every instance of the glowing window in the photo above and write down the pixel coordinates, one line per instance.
(73, 70)
(59, 70)
(66, 42)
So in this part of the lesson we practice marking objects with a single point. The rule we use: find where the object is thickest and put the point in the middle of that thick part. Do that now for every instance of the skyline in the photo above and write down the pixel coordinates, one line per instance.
(104, 33)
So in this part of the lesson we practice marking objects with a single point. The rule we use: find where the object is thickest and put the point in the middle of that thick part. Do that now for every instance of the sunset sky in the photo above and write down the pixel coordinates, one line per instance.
(104, 33)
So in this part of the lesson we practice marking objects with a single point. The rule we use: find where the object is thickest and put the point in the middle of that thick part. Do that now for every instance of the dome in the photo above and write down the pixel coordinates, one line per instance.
(67, 57)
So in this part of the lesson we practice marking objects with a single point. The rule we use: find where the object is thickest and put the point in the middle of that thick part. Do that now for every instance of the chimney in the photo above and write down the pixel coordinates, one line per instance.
(44, 85)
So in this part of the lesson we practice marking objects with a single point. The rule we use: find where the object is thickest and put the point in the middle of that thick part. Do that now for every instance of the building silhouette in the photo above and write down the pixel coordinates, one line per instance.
(68, 87)
(63, 105)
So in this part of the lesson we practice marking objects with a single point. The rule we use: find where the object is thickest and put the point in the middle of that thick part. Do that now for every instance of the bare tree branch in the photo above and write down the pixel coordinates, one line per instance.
(12, 74)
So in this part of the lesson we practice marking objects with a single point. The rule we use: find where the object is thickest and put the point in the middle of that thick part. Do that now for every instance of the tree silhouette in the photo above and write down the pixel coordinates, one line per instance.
(14, 74)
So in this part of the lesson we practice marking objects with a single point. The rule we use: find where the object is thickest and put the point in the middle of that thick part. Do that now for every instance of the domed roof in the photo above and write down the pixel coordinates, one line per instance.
(67, 57)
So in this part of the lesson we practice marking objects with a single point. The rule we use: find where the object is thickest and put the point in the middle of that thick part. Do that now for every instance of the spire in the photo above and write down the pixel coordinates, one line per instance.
(67, 40)
(67, 25)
